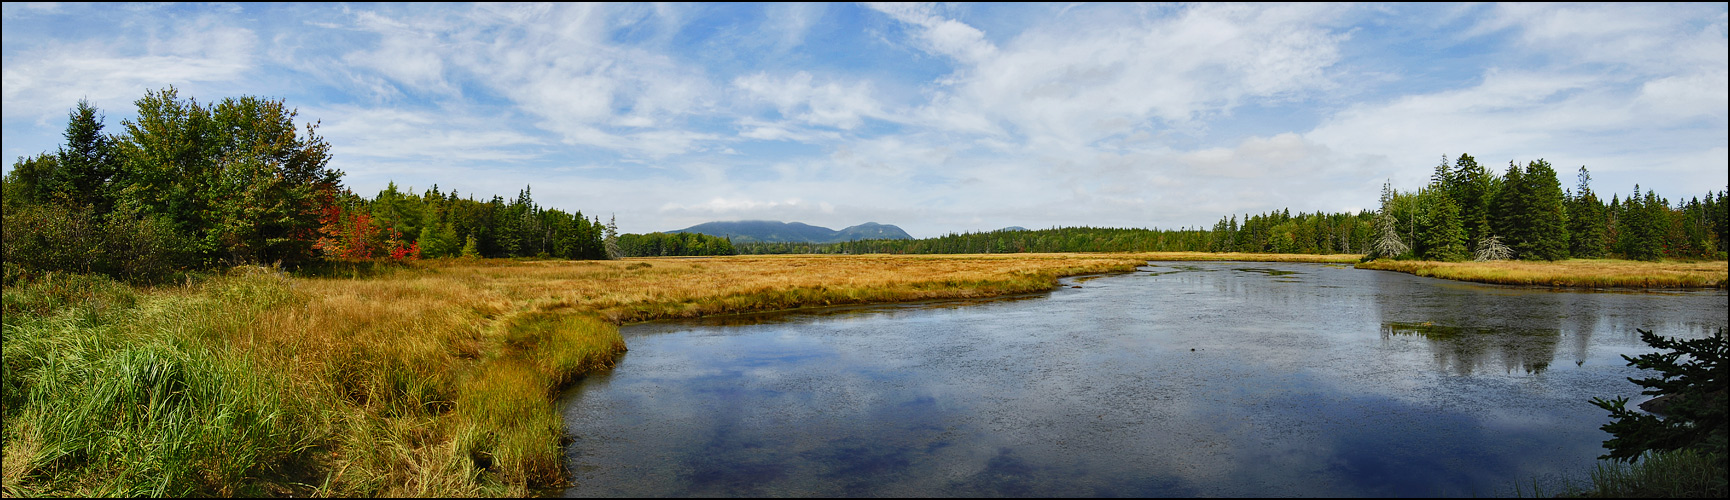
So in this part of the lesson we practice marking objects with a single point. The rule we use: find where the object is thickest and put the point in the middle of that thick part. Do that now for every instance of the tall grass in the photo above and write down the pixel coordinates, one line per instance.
(432, 380)
(1674, 474)
(100, 403)
(1683, 473)
(1581, 273)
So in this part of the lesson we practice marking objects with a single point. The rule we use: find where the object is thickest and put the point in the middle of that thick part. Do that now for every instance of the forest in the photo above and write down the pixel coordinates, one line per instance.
(190, 185)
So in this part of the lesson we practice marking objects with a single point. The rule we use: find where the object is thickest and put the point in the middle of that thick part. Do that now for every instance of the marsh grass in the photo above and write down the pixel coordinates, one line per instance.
(1681, 473)
(436, 379)
(1675, 474)
(1573, 273)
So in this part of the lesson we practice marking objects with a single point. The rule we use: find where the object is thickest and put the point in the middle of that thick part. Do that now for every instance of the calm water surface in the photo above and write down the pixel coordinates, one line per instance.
(1181, 379)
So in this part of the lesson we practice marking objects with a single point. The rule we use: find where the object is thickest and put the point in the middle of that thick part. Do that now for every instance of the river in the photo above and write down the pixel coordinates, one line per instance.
(1180, 379)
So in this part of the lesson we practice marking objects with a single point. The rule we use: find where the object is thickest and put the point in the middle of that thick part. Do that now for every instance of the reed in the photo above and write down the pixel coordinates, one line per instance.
(1572, 273)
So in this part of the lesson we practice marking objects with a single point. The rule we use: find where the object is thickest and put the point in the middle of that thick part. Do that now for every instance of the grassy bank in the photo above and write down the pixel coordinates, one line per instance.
(1583, 273)
(432, 380)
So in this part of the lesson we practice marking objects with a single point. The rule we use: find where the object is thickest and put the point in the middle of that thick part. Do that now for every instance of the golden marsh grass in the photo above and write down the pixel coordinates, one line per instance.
(1582, 273)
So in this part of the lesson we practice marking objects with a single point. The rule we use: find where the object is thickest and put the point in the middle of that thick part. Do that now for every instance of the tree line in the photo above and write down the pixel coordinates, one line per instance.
(674, 244)
(1468, 212)
(189, 185)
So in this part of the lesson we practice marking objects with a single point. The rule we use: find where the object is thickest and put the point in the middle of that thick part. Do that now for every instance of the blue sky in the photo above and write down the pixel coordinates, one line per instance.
(933, 117)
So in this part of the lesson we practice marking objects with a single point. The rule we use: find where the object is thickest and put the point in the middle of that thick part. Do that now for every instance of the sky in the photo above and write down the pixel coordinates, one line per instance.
(937, 118)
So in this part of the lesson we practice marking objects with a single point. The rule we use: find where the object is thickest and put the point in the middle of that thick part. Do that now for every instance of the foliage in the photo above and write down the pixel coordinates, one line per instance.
(43, 238)
(190, 185)
(1441, 235)
(1695, 416)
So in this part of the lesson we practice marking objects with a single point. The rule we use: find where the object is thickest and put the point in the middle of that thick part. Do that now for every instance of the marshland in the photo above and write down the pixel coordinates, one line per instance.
(443, 377)
(872, 249)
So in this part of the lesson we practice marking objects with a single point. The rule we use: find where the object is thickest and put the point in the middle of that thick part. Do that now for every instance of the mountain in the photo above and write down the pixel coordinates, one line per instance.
(768, 231)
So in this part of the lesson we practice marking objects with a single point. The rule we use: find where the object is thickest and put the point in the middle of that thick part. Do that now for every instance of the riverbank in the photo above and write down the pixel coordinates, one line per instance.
(435, 379)
(1571, 273)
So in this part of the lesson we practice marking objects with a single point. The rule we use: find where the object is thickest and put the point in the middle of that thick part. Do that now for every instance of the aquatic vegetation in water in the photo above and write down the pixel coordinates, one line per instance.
(1269, 272)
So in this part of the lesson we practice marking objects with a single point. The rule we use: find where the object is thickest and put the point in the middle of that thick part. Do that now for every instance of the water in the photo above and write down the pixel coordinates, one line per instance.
(1182, 379)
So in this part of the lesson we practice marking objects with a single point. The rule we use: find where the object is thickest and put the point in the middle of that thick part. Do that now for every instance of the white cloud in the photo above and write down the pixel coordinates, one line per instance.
(399, 134)
(1619, 80)
(1075, 83)
(42, 84)
(830, 104)
(938, 35)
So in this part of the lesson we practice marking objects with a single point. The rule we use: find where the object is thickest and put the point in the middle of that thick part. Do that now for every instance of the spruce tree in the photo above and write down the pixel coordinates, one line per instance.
(87, 161)
(1507, 210)
(1586, 220)
(1443, 237)
(1638, 233)
(1545, 218)
(1473, 185)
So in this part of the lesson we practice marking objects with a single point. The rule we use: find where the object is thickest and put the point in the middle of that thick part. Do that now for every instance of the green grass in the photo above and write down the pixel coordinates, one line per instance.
(105, 397)
(1675, 474)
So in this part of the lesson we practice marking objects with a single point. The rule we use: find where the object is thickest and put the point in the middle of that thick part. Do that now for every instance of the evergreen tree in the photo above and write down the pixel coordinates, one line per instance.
(1639, 228)
(1545, 218)
(87, 161)
(1473, 185)
(1509, 207)
(472, 248)
(1586, 220)
(1444, 238)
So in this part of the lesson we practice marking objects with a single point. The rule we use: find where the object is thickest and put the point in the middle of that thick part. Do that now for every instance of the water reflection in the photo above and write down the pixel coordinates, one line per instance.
(1191, 379)
(1462, 350)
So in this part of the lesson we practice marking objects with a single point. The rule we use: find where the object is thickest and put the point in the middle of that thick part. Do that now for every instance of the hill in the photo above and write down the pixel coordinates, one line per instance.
(768, 231)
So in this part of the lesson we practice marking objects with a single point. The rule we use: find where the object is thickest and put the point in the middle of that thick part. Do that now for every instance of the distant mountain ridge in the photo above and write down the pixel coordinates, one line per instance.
(769, 231)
